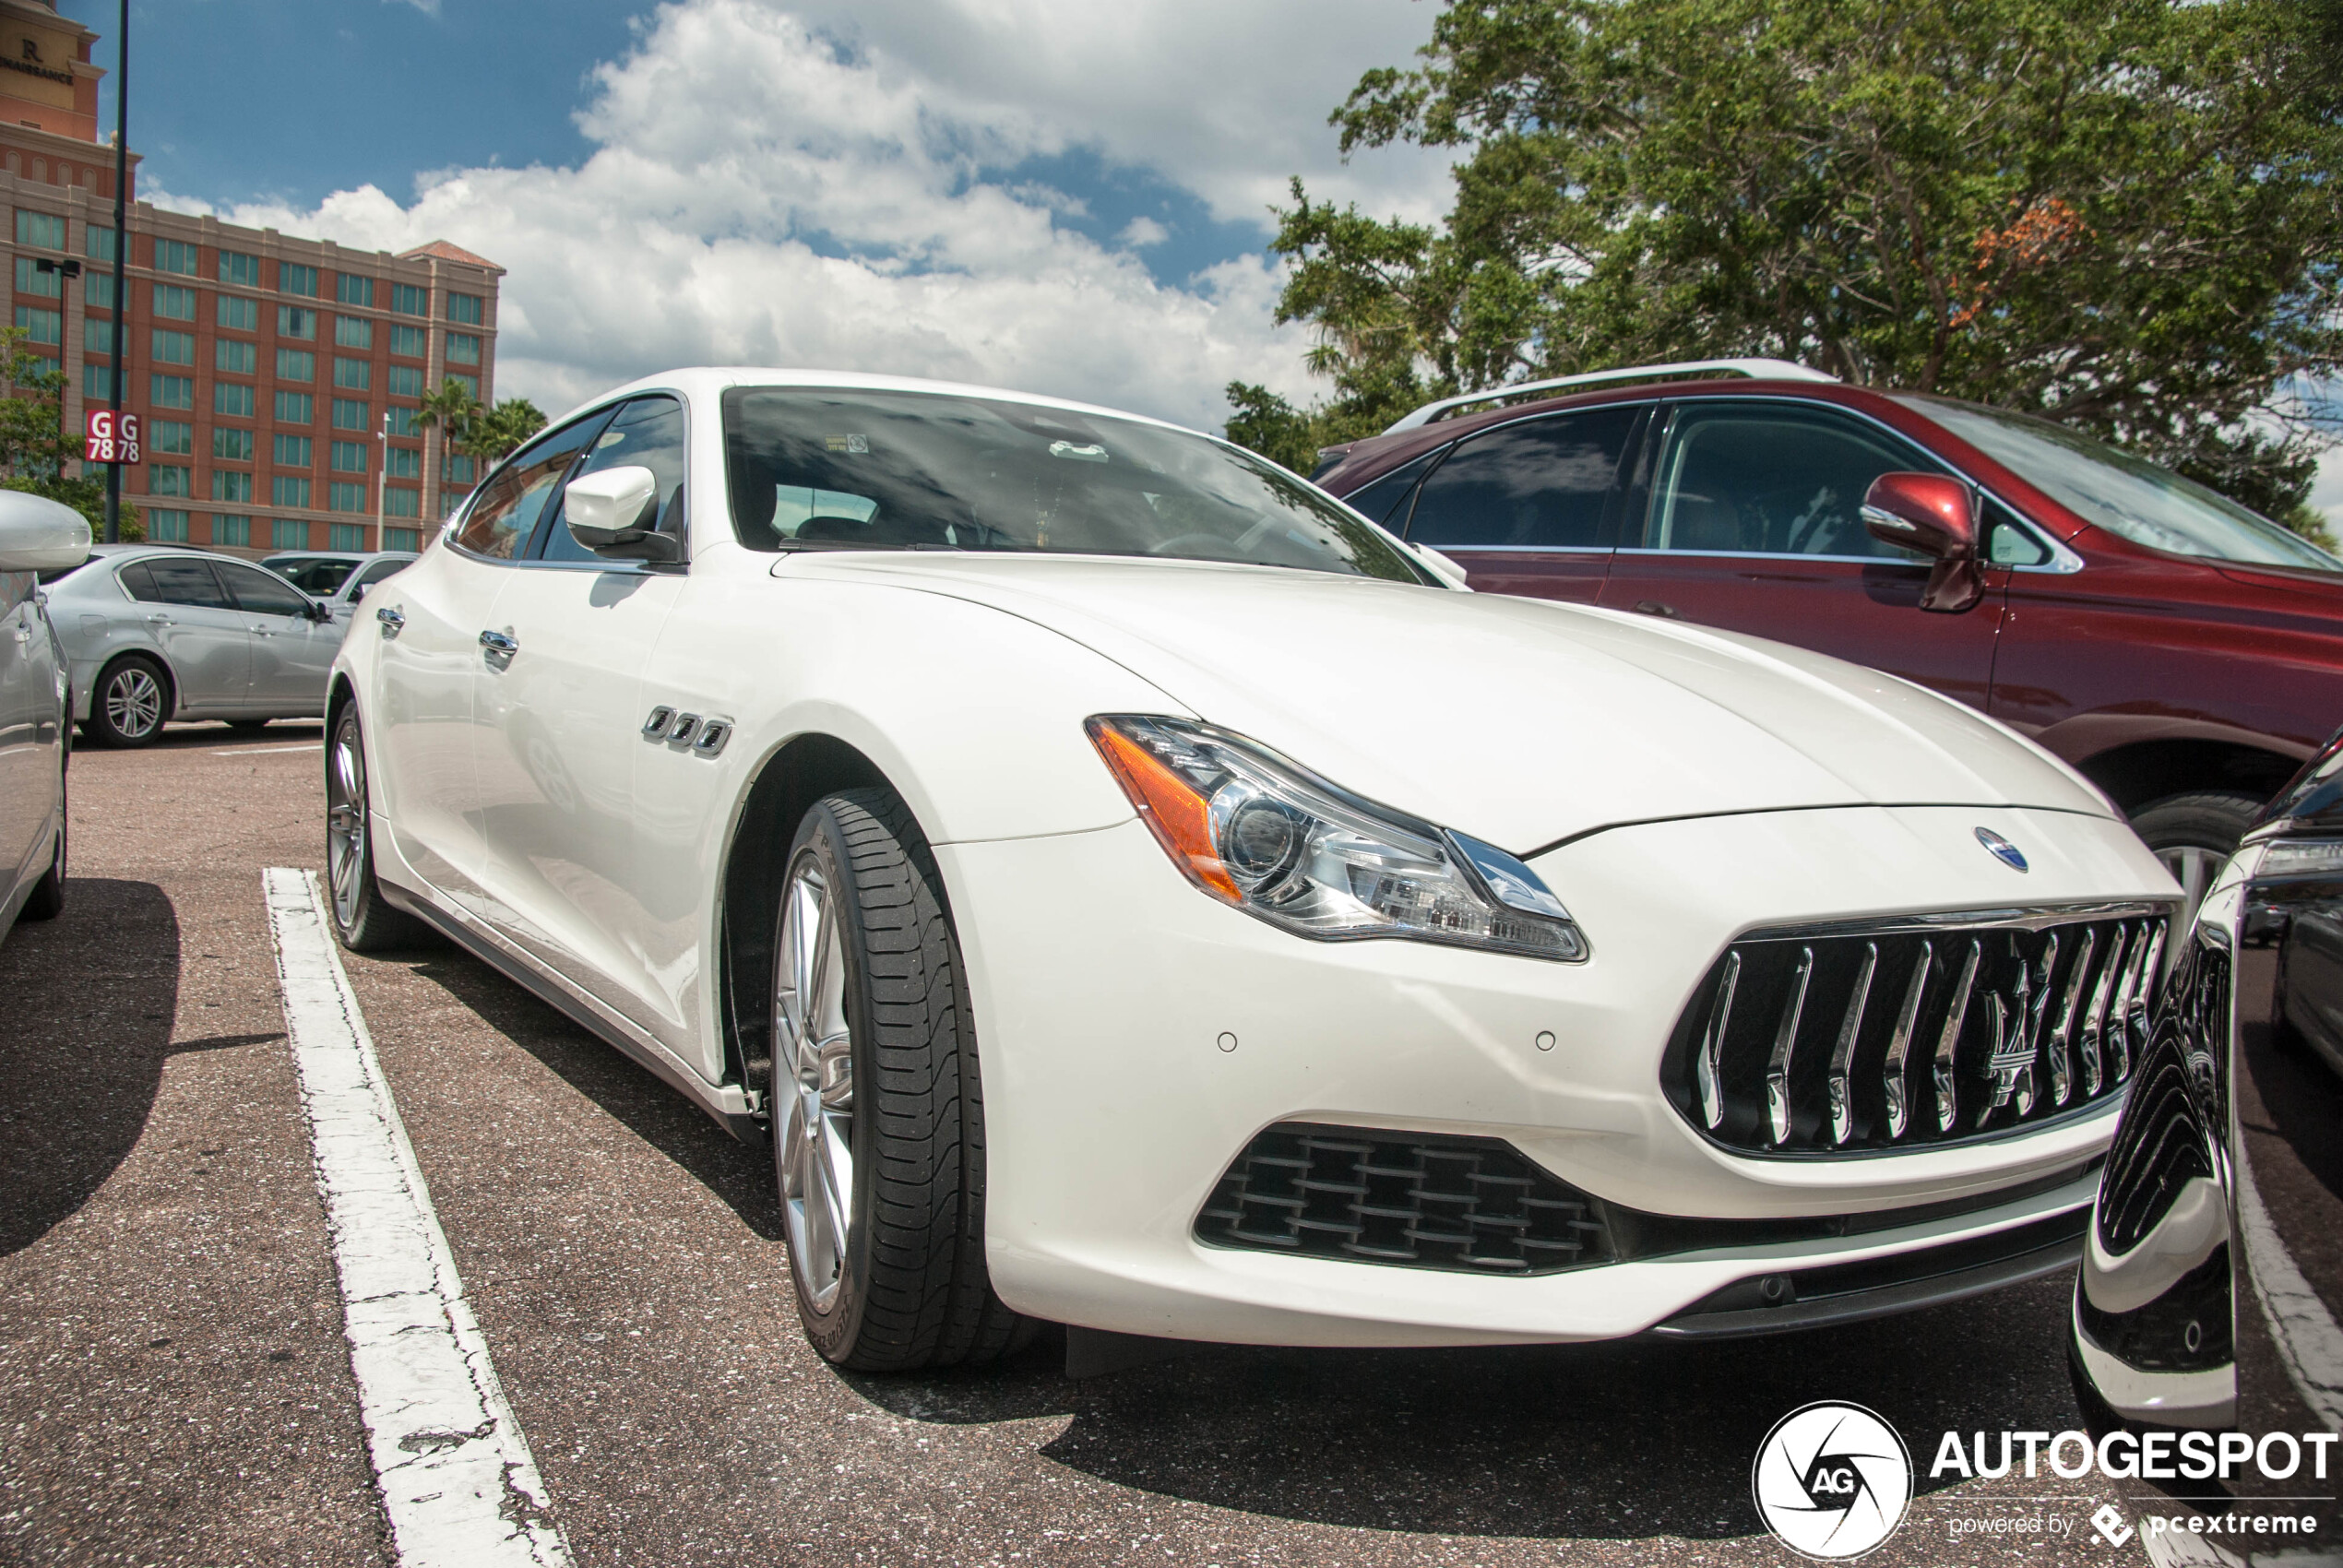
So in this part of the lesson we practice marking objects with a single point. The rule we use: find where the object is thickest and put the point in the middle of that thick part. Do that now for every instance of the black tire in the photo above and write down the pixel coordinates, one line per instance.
(47, 899)
(129, 703)
(363, 921)
(910, 1289)
(2192, 834)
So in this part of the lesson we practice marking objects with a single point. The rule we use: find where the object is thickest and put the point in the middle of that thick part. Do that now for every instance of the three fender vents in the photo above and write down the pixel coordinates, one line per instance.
(687, 731)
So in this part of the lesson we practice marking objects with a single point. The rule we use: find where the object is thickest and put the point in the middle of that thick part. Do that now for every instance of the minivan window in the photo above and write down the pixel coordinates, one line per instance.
(1541, 484)
(2128, 496)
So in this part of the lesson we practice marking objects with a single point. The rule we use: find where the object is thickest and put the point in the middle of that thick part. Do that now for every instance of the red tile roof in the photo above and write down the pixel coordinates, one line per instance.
(447, 251)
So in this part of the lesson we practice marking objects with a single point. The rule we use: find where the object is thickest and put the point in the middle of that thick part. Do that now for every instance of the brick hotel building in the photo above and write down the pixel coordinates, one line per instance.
(277, 378)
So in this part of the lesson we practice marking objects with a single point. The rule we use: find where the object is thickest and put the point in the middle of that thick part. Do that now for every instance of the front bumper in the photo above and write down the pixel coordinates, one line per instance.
(1134, 1036)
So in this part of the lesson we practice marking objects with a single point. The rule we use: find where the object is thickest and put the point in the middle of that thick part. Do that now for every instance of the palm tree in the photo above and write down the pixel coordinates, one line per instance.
(452, 409)
(495, 432)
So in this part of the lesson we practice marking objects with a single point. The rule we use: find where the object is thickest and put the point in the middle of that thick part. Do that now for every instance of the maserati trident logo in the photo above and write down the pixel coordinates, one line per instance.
(1832, 1480)
(2002, 849)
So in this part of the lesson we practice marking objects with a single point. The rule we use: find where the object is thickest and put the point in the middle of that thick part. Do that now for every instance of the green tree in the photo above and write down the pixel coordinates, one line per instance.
(494, 433)
(451, 410)
(2126, 215)
(37, 455)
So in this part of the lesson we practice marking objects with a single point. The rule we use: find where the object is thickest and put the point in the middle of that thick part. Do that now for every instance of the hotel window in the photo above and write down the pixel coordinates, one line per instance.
(407, 341)
(352, 375)
(173, 392)
(402, 503)
(293, 452)
(456, 469)
(402, 539)
(97, 383)
(229, 484)
(353, 332)
(295, 408)
(41, 326)
(31, 280)
(349, 413)
(466, 308)
(97, 290)
(172, 436)
(289, 490)
(405, 380)
(237, 268)
(230, 444)
(166, 527)
(352, 289)
(42, 229)
(463, 348)
(175, 256)
(346, 497)
(97, 242)
(238, 313)
(236, 531)
(235, 356)
(349, 458)
(350, 537)
(177, 303)
(97, 336)
(399, 421)
(292, 278)
(289, 533)
(174, 348)
(404, 462)
(233, 399)
(296, 365)
(294, 322)
(411, 299)
(170, 478)
(470, 383)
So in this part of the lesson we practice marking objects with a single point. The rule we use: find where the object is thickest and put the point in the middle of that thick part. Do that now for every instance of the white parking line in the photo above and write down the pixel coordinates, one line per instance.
(454, 1469)
(263, 751)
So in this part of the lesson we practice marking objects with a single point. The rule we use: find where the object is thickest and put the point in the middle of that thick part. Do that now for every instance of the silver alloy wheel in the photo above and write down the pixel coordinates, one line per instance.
(346, 820)
(2195, 870)
(814, 1082)
(134, 702)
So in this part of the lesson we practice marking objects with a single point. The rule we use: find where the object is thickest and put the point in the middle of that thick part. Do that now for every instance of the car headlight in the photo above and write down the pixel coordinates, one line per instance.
(1259, 833)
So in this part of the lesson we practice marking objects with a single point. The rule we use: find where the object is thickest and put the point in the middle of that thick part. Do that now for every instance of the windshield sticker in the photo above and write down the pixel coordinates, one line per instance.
(1094, 453)
(847, 443)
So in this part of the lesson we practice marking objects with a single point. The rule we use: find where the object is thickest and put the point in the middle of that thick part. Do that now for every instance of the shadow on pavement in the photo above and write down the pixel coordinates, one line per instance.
(740, 1175)
(90, 1000)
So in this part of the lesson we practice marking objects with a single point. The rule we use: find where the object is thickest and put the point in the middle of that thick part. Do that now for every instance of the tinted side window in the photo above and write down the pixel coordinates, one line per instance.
(1541, 483)
(1380, 499)
(647, 432)
(499, 523)
(257, 593)
(1780, 481)
(378, 571)
(179, 582)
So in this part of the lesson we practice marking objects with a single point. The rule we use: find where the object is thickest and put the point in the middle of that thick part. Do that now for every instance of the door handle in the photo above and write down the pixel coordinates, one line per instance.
(393, 623)
(1653, 607)
(157, 620)
(497, 648)
(261, 631)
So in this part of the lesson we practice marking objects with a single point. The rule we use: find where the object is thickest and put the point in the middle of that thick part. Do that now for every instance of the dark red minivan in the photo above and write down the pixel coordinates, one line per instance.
(2186, 654)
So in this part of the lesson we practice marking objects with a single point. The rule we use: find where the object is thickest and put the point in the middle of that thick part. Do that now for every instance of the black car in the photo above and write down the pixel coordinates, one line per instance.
(2212, 1283)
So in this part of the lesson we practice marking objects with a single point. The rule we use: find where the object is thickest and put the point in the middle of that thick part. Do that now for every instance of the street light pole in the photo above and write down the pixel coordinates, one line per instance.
(382, 475)
(121, 249)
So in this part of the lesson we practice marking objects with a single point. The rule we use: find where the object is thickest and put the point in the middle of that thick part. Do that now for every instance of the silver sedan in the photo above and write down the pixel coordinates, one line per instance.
(157, 633)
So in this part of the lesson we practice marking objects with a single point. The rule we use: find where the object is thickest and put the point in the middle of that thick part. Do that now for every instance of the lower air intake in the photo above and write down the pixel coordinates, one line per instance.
(1471, 1205)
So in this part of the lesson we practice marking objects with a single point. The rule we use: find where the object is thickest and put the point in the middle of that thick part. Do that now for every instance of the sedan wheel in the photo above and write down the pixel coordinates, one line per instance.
(815, 1045)
(129, 706)
(363, 921)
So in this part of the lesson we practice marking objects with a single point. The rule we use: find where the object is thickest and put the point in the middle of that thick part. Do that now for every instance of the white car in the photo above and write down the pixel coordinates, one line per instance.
(1352, 959)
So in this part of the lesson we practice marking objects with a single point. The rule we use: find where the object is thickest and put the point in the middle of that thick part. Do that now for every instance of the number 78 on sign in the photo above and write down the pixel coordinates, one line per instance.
(113, 438)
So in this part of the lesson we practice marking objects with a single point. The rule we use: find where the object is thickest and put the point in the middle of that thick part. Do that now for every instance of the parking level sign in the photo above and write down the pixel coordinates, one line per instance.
(113, 438)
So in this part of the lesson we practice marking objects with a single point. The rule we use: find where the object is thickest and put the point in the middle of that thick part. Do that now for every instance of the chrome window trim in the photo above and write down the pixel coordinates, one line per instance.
(2062, 562)
(1526, 549)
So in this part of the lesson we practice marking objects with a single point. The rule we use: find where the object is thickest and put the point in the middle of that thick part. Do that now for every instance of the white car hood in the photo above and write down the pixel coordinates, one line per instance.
(1520, 721)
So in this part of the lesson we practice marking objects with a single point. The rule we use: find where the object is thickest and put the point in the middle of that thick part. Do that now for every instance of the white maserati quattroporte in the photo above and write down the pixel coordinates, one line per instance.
(1131, 890)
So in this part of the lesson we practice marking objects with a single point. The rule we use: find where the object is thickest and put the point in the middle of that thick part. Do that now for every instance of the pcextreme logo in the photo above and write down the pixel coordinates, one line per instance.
(1832, 1480)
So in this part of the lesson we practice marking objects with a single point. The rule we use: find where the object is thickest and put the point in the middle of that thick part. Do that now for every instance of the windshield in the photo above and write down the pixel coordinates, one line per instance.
(317, 575)
(850, 470)
(2124, 495)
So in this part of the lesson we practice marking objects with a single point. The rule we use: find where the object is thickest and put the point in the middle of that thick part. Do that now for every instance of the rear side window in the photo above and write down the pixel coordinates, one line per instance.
(499, 523)
(258, 593)
(378, 571)
(1542, 484)
(1772, 480)
(647, 432)
(175, 582)
(1382, 500)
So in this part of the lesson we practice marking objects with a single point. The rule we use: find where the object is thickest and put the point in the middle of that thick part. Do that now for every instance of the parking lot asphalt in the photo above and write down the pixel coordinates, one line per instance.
(175, 1387)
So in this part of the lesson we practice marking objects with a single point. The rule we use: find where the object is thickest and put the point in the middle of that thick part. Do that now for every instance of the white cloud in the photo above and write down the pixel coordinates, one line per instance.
(815, 185)
(2326, 491)
(1141, 232)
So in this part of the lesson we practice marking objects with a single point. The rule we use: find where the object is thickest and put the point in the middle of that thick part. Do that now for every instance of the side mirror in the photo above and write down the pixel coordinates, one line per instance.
(41, 535)
(611, 513)
(321, 612)
(1936, 516)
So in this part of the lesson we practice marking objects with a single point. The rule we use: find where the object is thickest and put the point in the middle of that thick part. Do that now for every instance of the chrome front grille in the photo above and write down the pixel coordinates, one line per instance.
(1897, 1034)
(1411, 1199)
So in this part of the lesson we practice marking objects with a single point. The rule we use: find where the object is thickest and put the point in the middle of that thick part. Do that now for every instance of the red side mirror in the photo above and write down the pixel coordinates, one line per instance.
(1936, 516)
